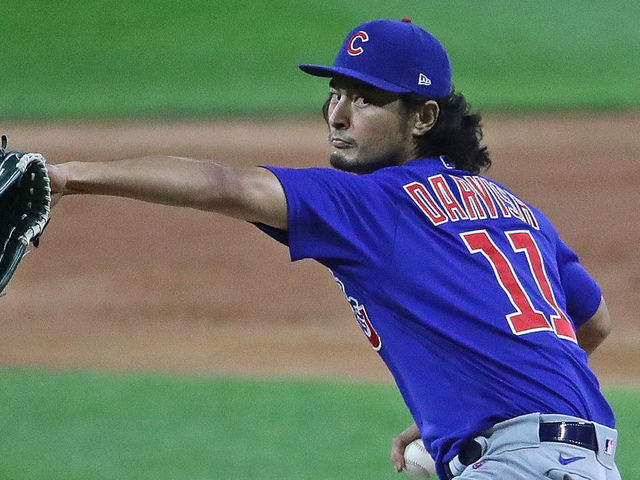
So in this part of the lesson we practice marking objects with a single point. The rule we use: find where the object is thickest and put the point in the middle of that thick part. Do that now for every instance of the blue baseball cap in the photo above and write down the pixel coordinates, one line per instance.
(396, 56)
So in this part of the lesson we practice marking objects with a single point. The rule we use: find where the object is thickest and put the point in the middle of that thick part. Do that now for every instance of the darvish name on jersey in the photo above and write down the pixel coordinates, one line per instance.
(481, 199)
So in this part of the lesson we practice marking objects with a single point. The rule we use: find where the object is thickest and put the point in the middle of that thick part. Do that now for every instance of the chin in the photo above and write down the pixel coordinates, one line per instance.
(339, 162)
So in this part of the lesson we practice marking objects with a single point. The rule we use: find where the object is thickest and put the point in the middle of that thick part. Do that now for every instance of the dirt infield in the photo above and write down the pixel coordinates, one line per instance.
(119, 284)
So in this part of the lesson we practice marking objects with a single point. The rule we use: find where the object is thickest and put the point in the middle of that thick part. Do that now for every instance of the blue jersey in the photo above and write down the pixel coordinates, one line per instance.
(467, 292)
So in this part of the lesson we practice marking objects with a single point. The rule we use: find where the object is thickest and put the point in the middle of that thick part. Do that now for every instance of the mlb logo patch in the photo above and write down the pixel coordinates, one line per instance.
(609, 446)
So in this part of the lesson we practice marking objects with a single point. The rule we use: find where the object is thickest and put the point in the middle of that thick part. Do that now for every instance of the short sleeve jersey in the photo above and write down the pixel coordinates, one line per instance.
(466, 292)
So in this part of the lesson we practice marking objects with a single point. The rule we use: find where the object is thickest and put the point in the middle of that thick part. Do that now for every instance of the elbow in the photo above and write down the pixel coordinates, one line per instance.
(598, 333)
(215, 189)
(602, 320)
(595, 330)
(604, 330)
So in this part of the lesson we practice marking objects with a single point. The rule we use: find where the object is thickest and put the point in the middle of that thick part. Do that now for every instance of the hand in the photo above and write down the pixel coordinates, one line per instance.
(58, 180)
(399, 443)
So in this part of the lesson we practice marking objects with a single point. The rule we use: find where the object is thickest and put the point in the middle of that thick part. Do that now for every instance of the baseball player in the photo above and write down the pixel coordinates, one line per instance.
(481, 312)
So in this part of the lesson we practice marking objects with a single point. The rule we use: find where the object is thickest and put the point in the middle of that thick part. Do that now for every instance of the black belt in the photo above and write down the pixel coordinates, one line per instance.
(575, 433)
(579, 434)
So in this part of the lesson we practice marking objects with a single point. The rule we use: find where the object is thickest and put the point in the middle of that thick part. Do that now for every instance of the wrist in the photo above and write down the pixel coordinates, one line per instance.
(70, 177)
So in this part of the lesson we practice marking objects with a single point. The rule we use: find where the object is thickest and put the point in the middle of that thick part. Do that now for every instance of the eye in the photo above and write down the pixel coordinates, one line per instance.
(334, 97)
(361, 101)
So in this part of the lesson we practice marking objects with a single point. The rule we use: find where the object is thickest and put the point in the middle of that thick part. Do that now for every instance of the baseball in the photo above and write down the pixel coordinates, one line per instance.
(419, 463)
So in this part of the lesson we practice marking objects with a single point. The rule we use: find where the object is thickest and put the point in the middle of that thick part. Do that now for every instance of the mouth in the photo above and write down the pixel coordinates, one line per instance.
(339, 142)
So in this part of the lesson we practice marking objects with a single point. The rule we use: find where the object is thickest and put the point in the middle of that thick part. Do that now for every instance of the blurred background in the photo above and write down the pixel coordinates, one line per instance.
(111, 58)
(142, 341)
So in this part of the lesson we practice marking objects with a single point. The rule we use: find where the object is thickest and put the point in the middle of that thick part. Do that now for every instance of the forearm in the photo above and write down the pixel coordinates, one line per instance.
(158, 179)
(410, 434)
(251, 194)
(595, 330)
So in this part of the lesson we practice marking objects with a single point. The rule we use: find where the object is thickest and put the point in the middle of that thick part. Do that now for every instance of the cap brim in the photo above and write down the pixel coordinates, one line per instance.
(329, 72)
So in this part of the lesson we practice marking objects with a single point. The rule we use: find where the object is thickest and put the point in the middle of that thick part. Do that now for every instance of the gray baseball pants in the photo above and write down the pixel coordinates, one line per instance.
(512, 450)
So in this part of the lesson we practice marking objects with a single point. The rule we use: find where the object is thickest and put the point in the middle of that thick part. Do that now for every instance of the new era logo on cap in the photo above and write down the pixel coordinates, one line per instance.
(423, 80)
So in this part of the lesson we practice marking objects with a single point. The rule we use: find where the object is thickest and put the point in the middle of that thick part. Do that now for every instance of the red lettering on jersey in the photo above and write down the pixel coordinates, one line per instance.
(493, 188)
(510, 198)
(351, 48)
(527, 213)
(470, 199)
(362, 318)
(447, 200)
(523, 241)
(526, 318)
(367, 327)
(483, 193)
(425, 201)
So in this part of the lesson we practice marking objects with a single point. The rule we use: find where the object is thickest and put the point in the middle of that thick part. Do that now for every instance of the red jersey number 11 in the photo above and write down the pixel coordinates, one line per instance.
(526, 319)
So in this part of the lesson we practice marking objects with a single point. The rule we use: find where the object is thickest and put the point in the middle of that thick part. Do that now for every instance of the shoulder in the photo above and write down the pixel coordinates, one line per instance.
(330, 180)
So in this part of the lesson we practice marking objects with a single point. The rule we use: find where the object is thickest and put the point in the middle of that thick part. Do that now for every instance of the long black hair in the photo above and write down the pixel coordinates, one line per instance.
(456, 134)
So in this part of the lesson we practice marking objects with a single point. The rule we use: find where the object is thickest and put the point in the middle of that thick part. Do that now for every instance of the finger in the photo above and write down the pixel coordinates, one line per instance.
(397, 455)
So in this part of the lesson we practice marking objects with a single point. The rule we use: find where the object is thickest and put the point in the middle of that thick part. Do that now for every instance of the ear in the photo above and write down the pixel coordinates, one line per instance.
(425, 117)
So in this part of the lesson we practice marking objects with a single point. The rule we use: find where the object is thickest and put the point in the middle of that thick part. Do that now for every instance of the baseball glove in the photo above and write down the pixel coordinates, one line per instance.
(25, 204)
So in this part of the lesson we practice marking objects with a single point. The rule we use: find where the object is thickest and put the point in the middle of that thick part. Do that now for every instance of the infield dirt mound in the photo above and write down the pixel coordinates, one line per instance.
(119, 284)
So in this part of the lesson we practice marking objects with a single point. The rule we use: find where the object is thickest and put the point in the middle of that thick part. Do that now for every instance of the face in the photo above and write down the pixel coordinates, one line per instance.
(368, 128)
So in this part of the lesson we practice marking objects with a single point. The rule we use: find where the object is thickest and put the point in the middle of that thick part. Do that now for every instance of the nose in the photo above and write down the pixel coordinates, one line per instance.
(339, 115)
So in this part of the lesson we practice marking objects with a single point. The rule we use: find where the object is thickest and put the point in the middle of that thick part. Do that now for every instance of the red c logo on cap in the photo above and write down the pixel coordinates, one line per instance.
(355, 51)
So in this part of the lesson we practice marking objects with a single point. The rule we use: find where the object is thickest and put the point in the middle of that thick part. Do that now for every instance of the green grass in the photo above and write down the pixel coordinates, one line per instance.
(107, 426)
(110, 58)
(81, 425)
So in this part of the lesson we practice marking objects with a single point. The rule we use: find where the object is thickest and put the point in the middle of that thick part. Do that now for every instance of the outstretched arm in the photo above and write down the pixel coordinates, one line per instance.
(251, 194)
